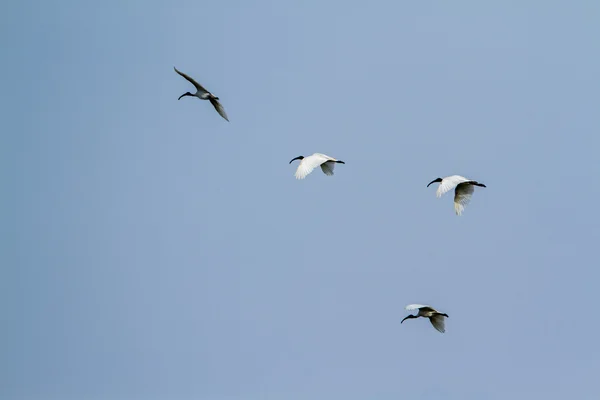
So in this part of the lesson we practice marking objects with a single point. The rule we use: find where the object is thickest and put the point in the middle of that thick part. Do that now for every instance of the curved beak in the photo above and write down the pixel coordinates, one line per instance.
(407, 317)
(183, 95)
(434, 181)
(297, 158)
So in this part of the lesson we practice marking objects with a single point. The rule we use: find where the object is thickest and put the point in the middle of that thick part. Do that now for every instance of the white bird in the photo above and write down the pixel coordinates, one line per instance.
(436, 318)
(203, 94)
(462, 194)
(311, 162)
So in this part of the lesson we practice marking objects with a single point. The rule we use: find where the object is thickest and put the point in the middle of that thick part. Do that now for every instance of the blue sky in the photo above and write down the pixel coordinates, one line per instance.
(151, 250)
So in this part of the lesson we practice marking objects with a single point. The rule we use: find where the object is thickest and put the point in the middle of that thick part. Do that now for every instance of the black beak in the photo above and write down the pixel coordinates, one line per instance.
(408, 317)
(297, 158)
(185, 94)
(434, 181)
(341, 162)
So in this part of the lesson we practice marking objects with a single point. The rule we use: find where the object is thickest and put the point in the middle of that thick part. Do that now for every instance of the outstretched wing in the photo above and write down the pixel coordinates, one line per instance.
(328, 167)
(449, 183)
(411, 307)
(307, 165)
(437, 320)
(193, 82)
(219, 108)
(462, 197)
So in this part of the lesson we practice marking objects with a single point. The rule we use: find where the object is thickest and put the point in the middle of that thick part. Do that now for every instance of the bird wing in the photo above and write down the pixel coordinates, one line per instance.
(324, 157)
(193, 82)
(462, 197)
(328, 167)
(415, 306)
(219, 108)
(449, 183)
(427, 310)
(308, 164)
(437, 320)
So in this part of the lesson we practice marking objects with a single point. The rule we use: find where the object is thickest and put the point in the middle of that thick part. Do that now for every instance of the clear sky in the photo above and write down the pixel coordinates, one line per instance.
(151, 250)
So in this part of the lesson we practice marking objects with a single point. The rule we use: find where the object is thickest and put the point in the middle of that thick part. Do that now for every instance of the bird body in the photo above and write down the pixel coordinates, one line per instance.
(463, 192)
(203, 94)
(307, 164)
(435, 317)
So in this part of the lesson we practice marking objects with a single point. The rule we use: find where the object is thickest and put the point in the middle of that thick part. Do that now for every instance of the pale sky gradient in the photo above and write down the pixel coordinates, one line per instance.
(151, 250)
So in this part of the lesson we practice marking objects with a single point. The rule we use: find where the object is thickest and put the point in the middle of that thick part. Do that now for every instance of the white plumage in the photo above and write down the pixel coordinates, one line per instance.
(436, 318)
(308, 164)
(463, 192)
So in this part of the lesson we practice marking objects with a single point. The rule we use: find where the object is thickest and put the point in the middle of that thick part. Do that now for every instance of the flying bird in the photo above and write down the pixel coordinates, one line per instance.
(436, 318)
(307, 164)
(463, 192)
(203, 94)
